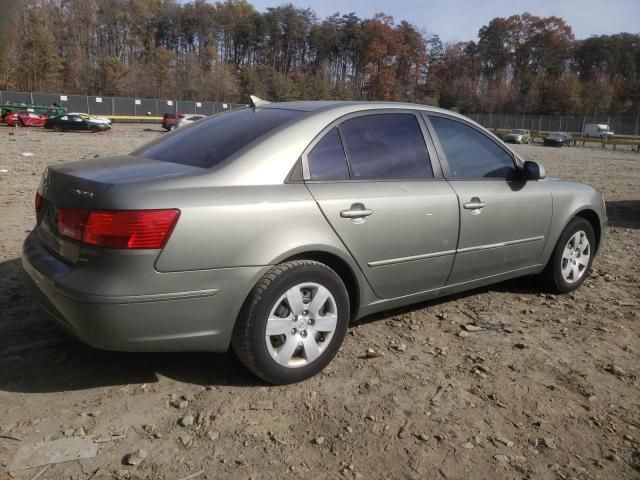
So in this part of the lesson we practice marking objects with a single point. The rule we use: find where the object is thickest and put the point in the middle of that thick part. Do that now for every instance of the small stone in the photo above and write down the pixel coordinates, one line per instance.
(504, 441)
(180, 403)
(213, 435)
(616, 370)
(136, 457)
(186, 421)
(547, 442)
(318, 440)
(463, 334)
(628, 437)
(612, 457)
(185, 439)
(421, 436)
(371, 353)
(608, 277)
(441, 316)
(554, 467)
(68, 432)
(472, 328)
(401, 347)
(501, 458)
(149, 428)
(520, 345)
(468, 445)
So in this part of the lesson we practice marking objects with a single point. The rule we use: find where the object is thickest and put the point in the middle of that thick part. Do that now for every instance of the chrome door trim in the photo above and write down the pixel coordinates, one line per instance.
(500, 244)
(390, 261)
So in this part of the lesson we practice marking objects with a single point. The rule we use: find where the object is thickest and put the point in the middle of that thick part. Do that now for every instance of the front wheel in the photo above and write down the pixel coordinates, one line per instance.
(572, 257)
(293, 322)
(57, 128)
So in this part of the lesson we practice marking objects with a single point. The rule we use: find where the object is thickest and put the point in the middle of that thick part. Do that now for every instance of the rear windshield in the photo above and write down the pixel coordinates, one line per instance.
(212, 140)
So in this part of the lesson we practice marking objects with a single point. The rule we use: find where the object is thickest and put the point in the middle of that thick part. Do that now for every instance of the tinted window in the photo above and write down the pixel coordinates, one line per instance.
(471, 154)
(327, 160)
(387, 146)
(212, 140)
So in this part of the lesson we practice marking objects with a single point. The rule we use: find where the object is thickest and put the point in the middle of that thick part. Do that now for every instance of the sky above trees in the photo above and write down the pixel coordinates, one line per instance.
(459, 20)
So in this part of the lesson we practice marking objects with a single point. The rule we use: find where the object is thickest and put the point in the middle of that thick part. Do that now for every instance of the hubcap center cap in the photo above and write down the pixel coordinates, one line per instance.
(302, 322)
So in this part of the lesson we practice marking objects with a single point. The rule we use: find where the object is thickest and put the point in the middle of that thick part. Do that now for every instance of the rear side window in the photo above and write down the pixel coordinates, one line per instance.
(327, 160)
(212, 140)
(471, 154)
(386, 147)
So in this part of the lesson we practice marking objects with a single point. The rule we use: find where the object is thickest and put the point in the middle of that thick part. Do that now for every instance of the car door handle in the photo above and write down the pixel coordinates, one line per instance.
(356, 211)
(474, 204)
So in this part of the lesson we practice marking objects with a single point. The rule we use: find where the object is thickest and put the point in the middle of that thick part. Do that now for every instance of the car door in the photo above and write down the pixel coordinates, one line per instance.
(373, 178)
(504, 220)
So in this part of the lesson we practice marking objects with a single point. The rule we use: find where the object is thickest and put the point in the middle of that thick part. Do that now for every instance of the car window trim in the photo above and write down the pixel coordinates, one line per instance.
(442, 155)
(431, 151)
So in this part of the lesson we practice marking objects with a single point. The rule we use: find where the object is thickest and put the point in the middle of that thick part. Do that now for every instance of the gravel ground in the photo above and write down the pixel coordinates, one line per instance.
(546, 388)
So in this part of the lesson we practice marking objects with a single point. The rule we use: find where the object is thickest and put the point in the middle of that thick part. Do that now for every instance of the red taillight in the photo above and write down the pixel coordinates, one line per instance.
(38, 202)
(129, 229)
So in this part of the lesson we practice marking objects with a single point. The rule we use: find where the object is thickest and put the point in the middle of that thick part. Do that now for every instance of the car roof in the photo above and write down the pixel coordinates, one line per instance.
(326, 105)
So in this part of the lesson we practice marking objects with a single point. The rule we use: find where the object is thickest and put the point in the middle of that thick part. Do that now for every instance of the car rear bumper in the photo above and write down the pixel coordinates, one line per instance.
(149, 319)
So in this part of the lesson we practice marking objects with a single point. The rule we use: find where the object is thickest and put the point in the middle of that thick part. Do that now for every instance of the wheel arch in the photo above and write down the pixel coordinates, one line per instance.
(592, 217)
(341, 267)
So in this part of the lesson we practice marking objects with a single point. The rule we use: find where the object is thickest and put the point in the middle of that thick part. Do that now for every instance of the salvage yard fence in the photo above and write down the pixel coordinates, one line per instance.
(557, 123)
(126, 108)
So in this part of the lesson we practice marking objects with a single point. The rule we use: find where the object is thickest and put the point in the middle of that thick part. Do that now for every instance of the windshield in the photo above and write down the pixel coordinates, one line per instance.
(212, 140)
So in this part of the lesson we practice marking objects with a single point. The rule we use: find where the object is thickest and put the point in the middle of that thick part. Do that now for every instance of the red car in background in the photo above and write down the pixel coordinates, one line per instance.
(24, 119)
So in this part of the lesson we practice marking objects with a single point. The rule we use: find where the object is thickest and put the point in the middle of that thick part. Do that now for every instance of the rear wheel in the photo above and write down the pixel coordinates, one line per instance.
(573, 256)
(293, 322)
(57, 128)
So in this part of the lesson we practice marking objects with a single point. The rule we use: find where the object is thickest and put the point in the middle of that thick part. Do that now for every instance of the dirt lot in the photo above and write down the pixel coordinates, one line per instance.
(546, 389)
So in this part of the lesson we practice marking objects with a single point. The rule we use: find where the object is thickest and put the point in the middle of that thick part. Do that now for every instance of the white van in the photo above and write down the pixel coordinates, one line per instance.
(597, 130)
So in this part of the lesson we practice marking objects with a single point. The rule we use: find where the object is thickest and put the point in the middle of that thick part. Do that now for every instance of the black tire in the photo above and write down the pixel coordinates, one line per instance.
(248, 340)
(57, 128)
(172, 127)
(94, 129)
(18, 123)
(553, 271)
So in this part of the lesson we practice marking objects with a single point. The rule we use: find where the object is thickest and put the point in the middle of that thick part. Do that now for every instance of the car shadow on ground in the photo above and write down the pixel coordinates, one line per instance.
(37, 356)
(624, 213)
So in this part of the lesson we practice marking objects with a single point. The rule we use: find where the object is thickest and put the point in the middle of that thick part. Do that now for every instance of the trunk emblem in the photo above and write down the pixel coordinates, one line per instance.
(81, 193)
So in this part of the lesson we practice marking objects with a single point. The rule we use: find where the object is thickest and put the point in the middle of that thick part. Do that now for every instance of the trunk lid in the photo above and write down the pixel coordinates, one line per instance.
(80, 184)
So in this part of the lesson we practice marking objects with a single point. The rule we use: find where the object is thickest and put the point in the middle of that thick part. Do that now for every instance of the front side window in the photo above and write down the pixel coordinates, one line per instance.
(386, 147)
(471, 154)
(212, 140)
(327, 160)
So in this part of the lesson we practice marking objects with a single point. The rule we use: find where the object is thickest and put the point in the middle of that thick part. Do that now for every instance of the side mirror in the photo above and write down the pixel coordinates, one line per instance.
(533, 171)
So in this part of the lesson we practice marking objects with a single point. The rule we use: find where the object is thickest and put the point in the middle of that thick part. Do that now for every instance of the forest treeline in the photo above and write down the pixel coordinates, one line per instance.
(226, 50)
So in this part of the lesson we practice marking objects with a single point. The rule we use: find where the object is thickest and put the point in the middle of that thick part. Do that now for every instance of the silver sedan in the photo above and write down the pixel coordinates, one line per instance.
(269, 229)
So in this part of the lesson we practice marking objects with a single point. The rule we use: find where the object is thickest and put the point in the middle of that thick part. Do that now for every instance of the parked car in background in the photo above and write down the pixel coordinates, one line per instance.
(187, 120)
(361, 207)
(94, 118)
(170, 120)
(71, 122)
(597, 130)
(24, 119)
(517, 136)
(559, 139)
